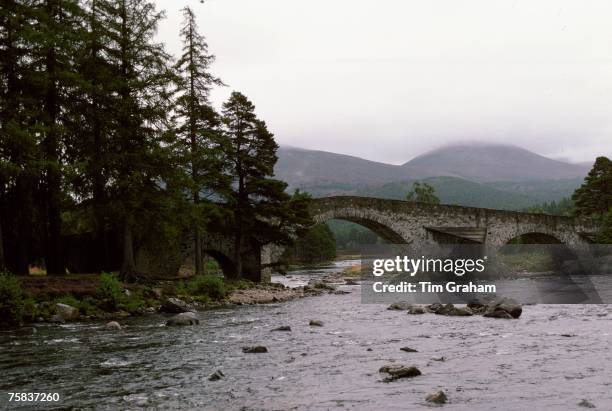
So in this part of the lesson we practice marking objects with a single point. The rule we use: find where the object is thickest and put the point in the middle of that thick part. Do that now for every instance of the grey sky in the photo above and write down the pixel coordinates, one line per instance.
(389, 79)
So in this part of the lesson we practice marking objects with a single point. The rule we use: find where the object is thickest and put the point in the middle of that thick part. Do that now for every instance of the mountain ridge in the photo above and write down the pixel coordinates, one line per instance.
(482, 175)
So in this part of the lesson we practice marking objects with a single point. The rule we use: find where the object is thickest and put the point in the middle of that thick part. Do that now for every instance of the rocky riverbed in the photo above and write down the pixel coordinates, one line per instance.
(325, 352)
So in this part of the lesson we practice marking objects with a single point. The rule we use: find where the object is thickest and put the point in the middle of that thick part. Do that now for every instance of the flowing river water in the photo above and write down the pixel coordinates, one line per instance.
(553, 357)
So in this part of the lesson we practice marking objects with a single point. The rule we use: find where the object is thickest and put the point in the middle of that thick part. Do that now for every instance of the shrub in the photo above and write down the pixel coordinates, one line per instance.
(85, 306)
(30, 310)
(110, 290)
(238, 285)
(207, 285)
(68, 300)
(132, 304)
(11, 300)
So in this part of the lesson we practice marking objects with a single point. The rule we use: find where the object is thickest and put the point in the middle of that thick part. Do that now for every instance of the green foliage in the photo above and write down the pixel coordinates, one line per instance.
(564, 207)
(238, 284)
(594, 197)
(349, 235)
(501, 195)
(11, 300)
(31, 311)
(316, 245)
(110, 291)
(85, 306)
(604, 236)
(207, 285)
(422, 193)
(260, 208)
(133, 303)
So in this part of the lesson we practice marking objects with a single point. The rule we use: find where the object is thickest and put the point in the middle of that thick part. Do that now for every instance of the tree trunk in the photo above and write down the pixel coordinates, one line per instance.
(2, 262)
(128, 267)
(239, 233)
(198, 251)
(53, 252)
(238, 254)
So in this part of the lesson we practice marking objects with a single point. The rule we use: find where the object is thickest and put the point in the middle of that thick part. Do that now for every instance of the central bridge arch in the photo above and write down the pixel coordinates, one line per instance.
(378, 226)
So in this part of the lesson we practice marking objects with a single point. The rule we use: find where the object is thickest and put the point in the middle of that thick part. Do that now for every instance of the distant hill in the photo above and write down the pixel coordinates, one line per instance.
(491, 176)
(491, 162)
(299, 166)
(474, 162)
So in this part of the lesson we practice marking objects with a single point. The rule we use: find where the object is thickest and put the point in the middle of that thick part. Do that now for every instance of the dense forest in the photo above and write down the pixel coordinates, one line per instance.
(107, 139)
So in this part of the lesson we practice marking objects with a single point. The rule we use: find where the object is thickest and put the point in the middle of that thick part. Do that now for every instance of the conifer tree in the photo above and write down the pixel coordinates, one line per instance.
(422, 193)
(139, 160)
(18, 148)
(56, 38)
(198, 124)
(594, 196)
(94, 124)
(261, 209)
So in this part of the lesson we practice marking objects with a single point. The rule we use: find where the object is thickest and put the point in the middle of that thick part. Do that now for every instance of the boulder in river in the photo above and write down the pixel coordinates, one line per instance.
(113, 325)
(449, 310)
(320, 285)
(186, 318)
(586, 404)
(399, 371)
(216, 376)
(401, 306)
(499, 306)
(498, 314)
(174, 305)
(282, 328)
(257, 349)
(57, 319)
(416, 309)
(315, 323)
(437, 397)
(67, 312)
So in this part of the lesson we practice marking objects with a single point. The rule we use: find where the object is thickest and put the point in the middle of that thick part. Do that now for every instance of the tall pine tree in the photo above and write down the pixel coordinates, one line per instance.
(57, 37)
(198, 124)
(139, 160)
(261, 209)
(19, 156)
(594, 196)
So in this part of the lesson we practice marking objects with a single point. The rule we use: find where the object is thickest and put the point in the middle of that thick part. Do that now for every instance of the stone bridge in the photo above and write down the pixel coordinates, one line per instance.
(403, 222)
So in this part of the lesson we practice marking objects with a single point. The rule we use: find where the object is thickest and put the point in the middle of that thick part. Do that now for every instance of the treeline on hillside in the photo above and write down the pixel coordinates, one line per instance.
(565, 207)
(103, 133)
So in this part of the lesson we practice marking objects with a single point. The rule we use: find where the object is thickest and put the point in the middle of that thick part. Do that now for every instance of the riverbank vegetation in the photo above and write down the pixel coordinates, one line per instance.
(105, 296)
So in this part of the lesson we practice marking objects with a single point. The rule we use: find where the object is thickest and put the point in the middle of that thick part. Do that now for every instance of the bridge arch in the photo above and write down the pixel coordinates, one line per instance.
(225, 262)
(379, 228)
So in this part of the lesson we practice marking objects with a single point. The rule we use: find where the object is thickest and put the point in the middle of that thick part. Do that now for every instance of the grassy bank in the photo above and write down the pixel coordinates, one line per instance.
(25, 299)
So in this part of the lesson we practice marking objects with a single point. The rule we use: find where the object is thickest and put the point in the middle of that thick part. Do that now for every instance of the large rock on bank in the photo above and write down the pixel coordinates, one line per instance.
(67, 312)
(173, 305)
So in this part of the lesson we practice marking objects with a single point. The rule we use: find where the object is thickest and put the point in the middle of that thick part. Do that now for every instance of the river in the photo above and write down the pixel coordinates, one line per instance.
(551, 358)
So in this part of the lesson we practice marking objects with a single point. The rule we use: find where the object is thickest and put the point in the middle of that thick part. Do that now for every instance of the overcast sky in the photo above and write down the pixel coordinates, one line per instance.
(389, 79)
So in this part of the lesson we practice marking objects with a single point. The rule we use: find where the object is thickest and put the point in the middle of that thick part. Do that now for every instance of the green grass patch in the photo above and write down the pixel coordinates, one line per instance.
(12, 300)
(206, 285)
